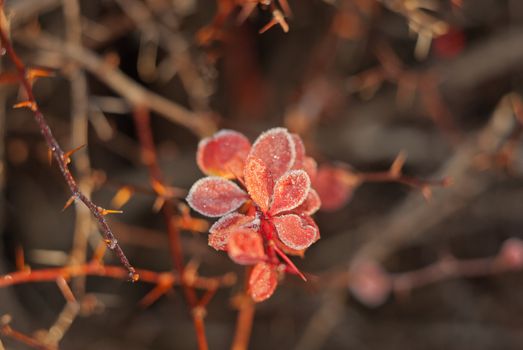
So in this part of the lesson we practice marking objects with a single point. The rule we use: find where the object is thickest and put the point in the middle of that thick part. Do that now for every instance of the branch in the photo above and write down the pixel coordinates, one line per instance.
(115, 272)
(60, 156)
(200, 124)
(150, 159)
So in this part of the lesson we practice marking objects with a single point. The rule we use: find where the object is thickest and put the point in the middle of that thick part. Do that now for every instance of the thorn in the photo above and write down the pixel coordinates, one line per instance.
(68, 203)
(426, 191)
(20, 258)
(35, 73)
(286, 8)
(158, 204)
(67, 155)
(105, 212)
(398, 163)
(50, 156)
(121, 197)
(26, 104)
(246, 11)
(277, 18)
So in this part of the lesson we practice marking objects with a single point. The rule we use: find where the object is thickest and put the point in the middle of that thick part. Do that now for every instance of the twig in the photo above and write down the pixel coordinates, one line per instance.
(60, 156)
(245, 318)
(108, 271)
(149, 156)
(137, 95)
(79, 131)
(8, 331)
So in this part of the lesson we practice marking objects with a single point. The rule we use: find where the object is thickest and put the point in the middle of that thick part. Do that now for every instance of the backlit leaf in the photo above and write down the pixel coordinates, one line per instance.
(262, 281)
(223, 154)
(259, 182)
(290, 191)
(335, 186)
(214, 196)
(311, 167)
(245, 247)
(294, 231)
(311, 204)
(275, 148)
(220, 231)
(299, 149)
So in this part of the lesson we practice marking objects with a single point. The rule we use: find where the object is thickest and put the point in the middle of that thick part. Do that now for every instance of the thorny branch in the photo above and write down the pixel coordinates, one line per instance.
(61, 157)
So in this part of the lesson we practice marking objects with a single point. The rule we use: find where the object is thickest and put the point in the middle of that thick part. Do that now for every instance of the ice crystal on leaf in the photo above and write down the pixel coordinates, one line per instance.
(274, 179)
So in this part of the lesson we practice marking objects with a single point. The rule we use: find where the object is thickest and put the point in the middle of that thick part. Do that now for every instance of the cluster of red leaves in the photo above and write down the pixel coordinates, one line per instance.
(265, 213)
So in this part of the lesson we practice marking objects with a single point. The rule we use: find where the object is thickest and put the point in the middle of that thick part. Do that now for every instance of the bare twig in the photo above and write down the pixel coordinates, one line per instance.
(135, 94)
(149, 157)
(245, 318)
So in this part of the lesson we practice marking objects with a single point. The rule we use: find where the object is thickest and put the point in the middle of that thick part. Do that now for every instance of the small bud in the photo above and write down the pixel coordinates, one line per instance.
(511, 254)
(369, 283)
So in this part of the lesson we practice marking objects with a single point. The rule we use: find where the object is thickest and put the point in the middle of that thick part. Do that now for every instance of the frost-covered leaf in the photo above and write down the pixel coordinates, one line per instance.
(275, 148)
(223, 154)
(299, 149)
(214, 196)
(311, 204)
(335, 185)
(258, 181)
(262, 281)
(221, 229)
(294, 231)
(311, 167)
(245, 247)
(290, 191)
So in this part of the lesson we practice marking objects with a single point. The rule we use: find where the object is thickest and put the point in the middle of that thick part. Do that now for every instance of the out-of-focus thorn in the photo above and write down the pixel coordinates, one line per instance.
(26, 104)
(65, 289)
(20, 258)
(105, 212)
(121, 197)
(286, 8)
(165, 283)
(397, 166)
(158, 187)
(158, 204)
(67, 155)
(277, 18)
(34, 73)
(247, 8)
(69, 202)
(99, 253)
(426, 191)
(50, 156)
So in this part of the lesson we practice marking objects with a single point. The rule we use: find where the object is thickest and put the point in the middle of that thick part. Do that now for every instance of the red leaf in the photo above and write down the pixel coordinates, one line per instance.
(275, 148)
(259, 182)
(369, 283)
(311, 167)
(214, 196)
(335, 186)
(262, 281)
(290, 191)
(299, 149)
(220, 231)
(294, 231)
(311, 204)
(245, 247)
(223, 154)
